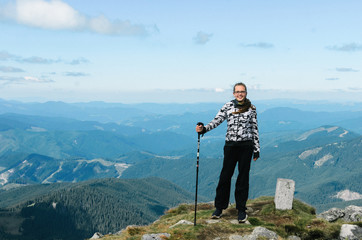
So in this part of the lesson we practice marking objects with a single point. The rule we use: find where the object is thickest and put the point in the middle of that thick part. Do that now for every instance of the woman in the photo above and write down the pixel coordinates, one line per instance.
(241, 144)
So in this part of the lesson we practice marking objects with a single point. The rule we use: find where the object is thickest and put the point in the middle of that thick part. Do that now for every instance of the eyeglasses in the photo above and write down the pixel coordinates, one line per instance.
(238, 92)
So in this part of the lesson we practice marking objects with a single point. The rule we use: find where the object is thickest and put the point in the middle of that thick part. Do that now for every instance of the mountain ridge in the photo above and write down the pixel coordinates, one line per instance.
(318, 152)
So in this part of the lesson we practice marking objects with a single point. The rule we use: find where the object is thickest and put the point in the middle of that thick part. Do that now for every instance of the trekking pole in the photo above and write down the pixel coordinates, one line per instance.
(197, 170)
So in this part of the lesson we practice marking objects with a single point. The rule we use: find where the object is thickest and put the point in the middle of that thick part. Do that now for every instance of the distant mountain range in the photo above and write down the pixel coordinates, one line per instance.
(66, 138)
(274, 115)
(312, 158)
(67, 144)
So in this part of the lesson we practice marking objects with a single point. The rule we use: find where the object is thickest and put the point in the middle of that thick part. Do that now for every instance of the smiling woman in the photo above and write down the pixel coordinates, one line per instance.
(241, 145)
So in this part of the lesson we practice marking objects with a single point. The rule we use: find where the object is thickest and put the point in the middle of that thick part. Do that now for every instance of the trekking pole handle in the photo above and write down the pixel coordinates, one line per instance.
(200, 124)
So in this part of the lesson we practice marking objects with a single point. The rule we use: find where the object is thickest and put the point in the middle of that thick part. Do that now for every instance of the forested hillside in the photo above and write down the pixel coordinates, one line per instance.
(77, 210)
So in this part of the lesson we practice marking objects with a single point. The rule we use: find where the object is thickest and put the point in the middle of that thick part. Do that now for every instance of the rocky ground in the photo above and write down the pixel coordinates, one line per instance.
(264, 222)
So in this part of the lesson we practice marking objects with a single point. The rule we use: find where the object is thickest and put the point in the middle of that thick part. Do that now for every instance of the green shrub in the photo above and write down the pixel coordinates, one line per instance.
(255, 221)
(316, 234)
(292, 229)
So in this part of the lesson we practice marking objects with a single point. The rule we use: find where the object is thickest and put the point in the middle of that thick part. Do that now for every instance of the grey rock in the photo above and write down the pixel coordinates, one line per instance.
(247, 237)
(258, 232)
(97, 235)
(332, 214)
(182, 222)
(263, 232)
(284, 194)
(349, 214)
(249, 210)
(212, 221)
(350, 232)
(236, 237)
(293, 238)
(352, 214)
(356, 217)
(234, 221)
(155, 236)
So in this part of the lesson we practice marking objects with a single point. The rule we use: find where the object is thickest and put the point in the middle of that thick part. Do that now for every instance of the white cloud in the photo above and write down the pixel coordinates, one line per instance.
(219, 90)
(38, 60)
(78, 61)
(344, 69)
(58, 15)
(263, 45)
(4, 56)
(349, 47)
(22, 80)
(102, 25)
(254, 87)
(355, 89)
(52, 15)
(36, 80)
(10, 69)
(75, 74)
(202, 38)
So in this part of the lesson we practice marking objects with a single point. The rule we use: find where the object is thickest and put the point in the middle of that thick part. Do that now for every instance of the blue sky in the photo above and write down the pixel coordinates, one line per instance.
(180, 51)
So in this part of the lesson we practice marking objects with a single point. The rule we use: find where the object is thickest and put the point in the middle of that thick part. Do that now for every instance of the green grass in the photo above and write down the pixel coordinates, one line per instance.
(300, 221)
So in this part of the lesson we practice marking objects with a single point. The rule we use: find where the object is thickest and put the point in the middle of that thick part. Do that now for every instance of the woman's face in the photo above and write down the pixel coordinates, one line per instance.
(240, 93)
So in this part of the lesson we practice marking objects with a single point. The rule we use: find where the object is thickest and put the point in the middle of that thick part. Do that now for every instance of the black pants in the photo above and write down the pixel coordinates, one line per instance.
(232, 155)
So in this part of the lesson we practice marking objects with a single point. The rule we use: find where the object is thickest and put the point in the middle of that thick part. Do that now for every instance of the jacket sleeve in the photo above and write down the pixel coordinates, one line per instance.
(219, 118)
(255, 131)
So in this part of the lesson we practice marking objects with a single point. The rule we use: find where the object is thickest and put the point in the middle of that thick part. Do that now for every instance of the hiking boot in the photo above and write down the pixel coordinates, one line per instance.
(217, 213)
(242, 216)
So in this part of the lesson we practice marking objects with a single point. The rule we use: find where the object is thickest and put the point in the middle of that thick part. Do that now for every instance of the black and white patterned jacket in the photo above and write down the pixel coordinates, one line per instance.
(240, 127)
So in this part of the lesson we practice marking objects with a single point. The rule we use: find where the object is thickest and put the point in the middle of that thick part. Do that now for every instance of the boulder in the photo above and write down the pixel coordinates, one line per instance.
(332, 214)
(262, 232)
(352, 214)
(156, 236)
(258, 233)
(349, 214)
(350, 232)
